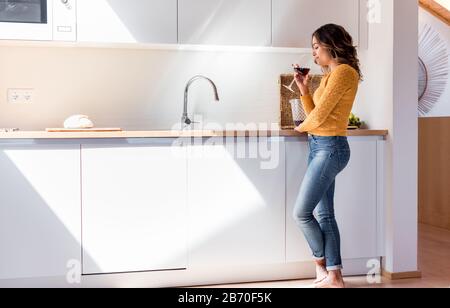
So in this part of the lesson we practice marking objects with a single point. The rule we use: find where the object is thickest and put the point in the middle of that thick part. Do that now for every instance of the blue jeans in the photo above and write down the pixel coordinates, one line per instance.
(328, 157)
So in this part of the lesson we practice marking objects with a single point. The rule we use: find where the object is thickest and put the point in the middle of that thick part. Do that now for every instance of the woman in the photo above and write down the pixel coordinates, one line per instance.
(328, 113)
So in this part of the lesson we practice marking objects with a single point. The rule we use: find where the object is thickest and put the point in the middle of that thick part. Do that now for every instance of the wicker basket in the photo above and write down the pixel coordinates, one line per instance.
(286, 120)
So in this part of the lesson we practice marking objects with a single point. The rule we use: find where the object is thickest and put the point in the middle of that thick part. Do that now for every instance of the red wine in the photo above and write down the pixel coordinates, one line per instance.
(298, 123)
(302, 70)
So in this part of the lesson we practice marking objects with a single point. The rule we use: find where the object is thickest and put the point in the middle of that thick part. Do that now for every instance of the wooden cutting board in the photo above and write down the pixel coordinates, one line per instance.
(76, 130)
(286, 121)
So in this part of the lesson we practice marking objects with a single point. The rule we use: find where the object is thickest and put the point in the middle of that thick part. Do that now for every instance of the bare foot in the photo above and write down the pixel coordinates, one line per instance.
(329, 283)
(321, 273)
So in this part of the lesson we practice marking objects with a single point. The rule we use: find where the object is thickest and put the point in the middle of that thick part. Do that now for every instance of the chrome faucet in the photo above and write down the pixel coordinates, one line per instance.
(185, 118)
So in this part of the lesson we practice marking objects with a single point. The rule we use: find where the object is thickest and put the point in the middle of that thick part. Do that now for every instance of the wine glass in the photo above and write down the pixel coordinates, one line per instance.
(302, 71)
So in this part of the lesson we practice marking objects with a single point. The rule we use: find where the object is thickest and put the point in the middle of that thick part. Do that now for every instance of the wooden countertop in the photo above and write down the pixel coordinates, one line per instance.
(170, 134)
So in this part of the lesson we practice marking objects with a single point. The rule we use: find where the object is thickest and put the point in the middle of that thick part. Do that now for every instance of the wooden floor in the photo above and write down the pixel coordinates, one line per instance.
(434, 263)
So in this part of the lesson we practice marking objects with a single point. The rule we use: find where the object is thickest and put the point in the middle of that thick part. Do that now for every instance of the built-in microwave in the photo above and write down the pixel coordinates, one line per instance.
(38, 20)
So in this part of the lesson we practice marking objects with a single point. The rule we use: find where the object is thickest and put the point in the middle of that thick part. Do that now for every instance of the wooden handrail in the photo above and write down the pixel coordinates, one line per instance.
(436, 9)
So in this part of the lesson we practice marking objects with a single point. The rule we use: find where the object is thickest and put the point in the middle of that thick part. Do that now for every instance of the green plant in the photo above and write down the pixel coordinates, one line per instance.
(354, 121)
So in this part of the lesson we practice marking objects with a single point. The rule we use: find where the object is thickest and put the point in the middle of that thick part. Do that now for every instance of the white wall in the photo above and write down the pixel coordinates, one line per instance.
(375, 95)
(140, 89)
(404, 210)
(390, 100)
(442, 107)
(143, 89)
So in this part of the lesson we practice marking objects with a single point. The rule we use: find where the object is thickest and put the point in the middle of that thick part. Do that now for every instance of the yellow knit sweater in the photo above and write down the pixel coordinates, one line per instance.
(328, 112)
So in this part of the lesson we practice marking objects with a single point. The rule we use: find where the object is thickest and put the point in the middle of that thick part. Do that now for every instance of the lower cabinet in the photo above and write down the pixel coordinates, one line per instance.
(355, 200)
(134, 202)
(40, 221)
(297, 152)
(153, 205)
(236, 202)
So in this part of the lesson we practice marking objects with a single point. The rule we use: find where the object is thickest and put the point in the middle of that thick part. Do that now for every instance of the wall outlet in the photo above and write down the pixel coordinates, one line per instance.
(20, 96)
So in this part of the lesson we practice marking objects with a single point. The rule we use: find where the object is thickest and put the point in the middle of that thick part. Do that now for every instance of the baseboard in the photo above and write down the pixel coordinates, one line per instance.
(402, 275)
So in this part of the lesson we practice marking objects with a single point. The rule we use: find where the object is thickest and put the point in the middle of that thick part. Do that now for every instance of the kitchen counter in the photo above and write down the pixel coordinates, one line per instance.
(171, 134)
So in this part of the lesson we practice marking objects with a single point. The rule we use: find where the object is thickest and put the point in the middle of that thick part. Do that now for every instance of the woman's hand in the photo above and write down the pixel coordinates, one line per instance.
(302, 82)
(298, 129)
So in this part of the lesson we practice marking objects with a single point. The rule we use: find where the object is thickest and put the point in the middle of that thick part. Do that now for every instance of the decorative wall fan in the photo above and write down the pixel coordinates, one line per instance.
(433, 68)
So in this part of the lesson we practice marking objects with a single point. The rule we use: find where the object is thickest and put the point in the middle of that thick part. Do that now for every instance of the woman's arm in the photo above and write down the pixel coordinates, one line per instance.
(303, 84)
(308, 103)
(340, 81)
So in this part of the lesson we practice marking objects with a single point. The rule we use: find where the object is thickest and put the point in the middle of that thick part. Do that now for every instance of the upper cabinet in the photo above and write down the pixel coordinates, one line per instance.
(294, 21)
(277, 23)
(230, 22)
(131, 21)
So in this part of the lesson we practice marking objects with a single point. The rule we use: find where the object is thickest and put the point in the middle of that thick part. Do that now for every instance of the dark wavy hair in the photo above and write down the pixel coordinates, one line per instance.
(340, 45)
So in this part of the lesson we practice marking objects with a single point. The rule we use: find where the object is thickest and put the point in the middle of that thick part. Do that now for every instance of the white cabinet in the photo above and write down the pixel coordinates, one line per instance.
(294, 21)
(134, 207)
(297, 152)
(236, 202)
(355, 200)
(40, 206)
(130, 21)
(230, 22)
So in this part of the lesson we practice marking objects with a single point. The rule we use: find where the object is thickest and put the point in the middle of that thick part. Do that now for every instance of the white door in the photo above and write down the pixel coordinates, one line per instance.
(230, 22)
(355, 200)
(236, 203)
(130, 21)
(40, 210)
(134, 207)
(294, 21)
